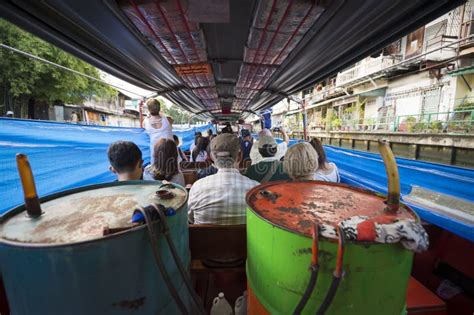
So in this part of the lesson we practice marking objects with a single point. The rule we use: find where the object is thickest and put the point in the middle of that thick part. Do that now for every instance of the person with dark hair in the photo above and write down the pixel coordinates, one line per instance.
(199, 153)
(125, 160)
(181, 155)
(269, 168)
(74, 117)
(227, 129)
(197, 136)
(209, 133)
(246, 144)
(165, 164)
(157, 125)
(326, 171)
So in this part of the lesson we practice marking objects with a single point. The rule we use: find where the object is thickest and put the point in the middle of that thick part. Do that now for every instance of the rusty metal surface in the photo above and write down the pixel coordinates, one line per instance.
(295, 205)
(84, 215)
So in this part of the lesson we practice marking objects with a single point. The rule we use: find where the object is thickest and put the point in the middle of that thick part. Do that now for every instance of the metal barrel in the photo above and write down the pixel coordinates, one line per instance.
(279, 247)
(48, 273)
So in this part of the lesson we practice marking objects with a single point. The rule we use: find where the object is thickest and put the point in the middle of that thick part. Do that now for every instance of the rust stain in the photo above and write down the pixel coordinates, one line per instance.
(271, 196)
(130, 304)
(304, 223)
(290, 210)
(302, 251)
(298, 204)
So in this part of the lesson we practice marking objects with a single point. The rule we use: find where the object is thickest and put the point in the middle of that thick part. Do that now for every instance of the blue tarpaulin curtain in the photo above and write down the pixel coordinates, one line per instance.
(65, 156)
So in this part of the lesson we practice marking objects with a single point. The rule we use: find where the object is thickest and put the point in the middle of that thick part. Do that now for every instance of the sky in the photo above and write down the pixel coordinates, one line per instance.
(130, 89)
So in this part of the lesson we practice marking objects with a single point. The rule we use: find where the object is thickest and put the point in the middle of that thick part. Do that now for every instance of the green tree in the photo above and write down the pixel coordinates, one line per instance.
(21, 76)
(180, 116)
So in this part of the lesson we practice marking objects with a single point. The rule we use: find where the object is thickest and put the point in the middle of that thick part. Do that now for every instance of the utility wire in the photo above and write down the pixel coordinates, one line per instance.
(67, 69)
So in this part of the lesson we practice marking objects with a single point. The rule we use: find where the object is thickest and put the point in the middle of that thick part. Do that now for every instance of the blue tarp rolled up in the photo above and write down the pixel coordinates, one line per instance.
(65, 156)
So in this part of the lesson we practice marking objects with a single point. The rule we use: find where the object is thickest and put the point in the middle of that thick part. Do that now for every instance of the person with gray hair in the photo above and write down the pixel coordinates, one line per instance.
(301, 161)
(220, 198)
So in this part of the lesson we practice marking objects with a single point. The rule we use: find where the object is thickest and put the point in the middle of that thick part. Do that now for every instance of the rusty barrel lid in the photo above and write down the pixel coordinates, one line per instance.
(82, 214)
(294, 206)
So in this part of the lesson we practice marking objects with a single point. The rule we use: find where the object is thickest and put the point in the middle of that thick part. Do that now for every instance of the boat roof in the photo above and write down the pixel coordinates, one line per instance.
(222, 59)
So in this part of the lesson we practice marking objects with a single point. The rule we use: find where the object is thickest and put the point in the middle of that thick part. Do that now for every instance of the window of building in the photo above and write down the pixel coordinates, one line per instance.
(430, 102)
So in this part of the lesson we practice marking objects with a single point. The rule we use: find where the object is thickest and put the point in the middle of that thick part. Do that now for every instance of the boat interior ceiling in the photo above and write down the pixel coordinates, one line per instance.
(222, 59)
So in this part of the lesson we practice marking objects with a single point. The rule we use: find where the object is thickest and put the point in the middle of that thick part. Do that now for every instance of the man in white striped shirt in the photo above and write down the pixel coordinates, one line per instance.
(220, 198)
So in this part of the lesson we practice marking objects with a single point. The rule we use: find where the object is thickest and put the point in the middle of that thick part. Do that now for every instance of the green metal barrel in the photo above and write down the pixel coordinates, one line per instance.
(279, 220)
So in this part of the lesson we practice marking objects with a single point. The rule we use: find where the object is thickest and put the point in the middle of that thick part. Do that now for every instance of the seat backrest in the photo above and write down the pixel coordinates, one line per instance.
(190, 177)
(184, 165)
(218, 241)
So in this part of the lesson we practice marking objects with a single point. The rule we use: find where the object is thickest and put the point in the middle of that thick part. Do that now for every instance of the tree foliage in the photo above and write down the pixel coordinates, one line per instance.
(24, 76)
(180, 116)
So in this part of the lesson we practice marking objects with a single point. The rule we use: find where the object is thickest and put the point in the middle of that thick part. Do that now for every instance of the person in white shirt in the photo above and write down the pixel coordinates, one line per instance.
(255, 155)
(301, 161)
(327, 171)
(74, 117)
(199, 153)
(165, 165)
(220, 198)
(157, 125)
(181, 155)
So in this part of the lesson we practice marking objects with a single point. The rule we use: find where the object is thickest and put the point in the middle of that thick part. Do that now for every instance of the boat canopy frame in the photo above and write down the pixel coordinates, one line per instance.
(241, 56)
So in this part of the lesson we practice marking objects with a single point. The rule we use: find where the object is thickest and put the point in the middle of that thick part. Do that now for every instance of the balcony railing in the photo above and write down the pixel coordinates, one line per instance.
(367, 67)
(457, 121)
(325, 92)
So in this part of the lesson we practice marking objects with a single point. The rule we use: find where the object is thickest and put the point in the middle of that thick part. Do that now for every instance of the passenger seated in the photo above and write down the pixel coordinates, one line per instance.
(204, 172)
(209, 133)
(246, 144)
(256, 157)
(327, 171)
(181, 155)
(199, 153)
(125, 160)
(157, 125)
(165, 164)
(197, 136)
(301, 161)
(269, 168)
(220, 198)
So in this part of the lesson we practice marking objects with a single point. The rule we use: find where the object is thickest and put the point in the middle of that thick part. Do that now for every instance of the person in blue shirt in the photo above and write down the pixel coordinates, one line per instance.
(246, 144)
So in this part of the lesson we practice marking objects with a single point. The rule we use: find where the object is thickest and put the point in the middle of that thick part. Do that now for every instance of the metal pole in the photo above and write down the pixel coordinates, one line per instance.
(305, 131)
(140, 109)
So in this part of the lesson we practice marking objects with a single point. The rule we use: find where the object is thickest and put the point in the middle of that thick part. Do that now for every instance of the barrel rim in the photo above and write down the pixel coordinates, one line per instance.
(21, 208)
(359, 189)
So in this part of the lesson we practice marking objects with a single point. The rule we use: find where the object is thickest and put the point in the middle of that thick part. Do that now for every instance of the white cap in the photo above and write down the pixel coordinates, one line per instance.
(10, 112)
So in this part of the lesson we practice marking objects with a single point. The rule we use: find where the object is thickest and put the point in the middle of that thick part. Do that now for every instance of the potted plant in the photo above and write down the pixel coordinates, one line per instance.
(436, 126)
(336, 123)
(409, 123)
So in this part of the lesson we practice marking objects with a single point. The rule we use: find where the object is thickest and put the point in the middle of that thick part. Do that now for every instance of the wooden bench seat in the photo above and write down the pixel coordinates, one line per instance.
(218, 242)
(421, 301)
(190, 176)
